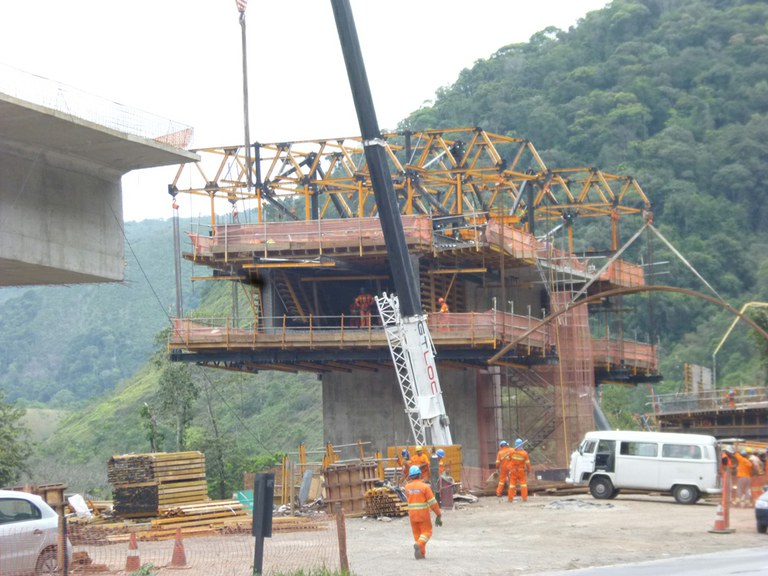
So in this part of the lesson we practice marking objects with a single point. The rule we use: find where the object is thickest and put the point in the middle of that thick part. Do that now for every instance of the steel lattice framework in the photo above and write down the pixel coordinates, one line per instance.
(444, 173)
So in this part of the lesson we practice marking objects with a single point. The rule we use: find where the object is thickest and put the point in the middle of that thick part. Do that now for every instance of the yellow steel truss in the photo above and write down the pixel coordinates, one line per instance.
(443, 173)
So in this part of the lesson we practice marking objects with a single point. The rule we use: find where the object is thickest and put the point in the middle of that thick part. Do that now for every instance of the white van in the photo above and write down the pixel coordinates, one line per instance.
(685, 465)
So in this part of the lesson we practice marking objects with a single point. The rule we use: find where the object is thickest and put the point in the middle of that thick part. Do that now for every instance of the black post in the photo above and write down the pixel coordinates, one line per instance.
(263, 492)
(383, 190)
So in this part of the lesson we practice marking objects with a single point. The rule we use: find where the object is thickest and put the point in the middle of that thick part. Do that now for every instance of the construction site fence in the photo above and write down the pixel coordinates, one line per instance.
(719, 399)
(307, 544)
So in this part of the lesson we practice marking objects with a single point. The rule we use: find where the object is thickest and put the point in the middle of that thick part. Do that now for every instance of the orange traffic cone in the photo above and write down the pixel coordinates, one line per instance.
(721, 526)
(179, 558)
(132, 562)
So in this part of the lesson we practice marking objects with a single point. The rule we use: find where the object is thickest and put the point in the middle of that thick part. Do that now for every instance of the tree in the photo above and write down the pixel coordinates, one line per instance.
(15, 444)
(177, 396)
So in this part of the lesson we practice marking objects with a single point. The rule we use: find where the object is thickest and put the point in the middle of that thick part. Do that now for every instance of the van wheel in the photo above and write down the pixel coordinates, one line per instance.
(601, 488)
(686, 494)
(616, 492)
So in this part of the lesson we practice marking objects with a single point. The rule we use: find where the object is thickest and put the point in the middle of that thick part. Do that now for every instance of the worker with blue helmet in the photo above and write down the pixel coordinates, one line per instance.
(521, 466)
(421, 500)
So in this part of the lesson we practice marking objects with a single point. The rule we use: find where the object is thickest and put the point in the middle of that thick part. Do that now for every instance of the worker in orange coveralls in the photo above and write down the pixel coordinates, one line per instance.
(364, 302)
(743, 480)
(443, 305)
(521, 465)
(421, 460)
(441, 466)
(420, 499)
(504, 466)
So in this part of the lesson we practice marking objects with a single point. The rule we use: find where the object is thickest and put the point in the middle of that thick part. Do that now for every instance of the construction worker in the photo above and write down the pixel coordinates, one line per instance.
(743, 480)
(421, 460)
(731, 399)
(521, 466)
(442, 305)
(404, 461)
(504, 466)
(440, 461)
(420, 499)
(364, 303)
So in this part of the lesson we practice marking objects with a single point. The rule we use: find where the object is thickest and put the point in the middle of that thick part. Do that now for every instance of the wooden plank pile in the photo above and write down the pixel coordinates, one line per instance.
(147, 484)
(383, 501)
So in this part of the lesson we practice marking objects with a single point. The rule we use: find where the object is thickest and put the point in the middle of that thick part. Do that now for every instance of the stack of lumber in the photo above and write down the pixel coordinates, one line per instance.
(384, 501)
(146, 484)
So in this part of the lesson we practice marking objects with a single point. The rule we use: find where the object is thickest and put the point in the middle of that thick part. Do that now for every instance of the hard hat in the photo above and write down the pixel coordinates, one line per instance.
(518, 443)
(404, 452)
(414, 471)
(503, 443)
(440, 452)
(743, 452)
(419, 448)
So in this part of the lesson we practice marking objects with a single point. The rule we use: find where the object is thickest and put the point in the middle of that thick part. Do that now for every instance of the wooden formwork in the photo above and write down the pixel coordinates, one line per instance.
(347, 484)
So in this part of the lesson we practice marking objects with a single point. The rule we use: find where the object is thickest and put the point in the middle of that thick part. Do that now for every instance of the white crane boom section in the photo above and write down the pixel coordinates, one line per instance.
(413, 354)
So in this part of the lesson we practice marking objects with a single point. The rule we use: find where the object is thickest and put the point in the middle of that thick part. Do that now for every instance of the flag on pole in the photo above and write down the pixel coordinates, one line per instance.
(241, 5)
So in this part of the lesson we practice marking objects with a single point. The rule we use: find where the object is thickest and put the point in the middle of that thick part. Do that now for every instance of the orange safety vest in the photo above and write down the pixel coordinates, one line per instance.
(744, 466)
(504, 457)
(420, 499)
(520, 460)
(422, 461)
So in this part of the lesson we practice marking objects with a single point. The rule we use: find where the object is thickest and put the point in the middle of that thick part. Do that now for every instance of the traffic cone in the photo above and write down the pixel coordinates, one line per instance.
(179, 558)
(721, 526)
(132, 561)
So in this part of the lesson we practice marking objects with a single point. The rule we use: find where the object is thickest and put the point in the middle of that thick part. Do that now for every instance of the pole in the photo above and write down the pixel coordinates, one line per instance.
(241, 4)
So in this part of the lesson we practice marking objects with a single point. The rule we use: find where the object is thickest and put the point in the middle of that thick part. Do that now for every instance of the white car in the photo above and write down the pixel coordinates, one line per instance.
(29, 535)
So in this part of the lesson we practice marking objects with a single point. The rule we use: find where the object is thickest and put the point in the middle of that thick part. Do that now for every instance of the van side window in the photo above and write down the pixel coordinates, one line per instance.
(648, 449)
(681, 451)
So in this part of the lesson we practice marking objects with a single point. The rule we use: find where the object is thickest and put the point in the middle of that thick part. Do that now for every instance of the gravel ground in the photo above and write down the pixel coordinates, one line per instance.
(547, 533)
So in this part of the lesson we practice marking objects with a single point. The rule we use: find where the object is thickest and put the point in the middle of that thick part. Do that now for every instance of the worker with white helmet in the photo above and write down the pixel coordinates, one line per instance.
(521, 466)
(420, 500)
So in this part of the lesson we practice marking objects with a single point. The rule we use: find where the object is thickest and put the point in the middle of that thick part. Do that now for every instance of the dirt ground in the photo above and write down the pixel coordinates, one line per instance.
(547, 533)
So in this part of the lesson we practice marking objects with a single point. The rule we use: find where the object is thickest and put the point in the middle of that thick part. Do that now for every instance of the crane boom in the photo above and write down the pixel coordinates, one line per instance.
(409, 340)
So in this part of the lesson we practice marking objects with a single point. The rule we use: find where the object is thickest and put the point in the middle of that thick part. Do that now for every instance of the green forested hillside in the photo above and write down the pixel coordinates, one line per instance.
(673, 93)
(676, 95)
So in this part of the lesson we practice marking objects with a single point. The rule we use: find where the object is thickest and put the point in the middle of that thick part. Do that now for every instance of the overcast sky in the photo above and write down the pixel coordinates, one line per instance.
(181, 59)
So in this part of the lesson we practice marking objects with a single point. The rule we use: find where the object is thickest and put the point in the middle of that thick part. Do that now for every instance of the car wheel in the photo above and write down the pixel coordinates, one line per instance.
(616, 492)
(761, 528)
(46, 564)
(686, 494)
(601, 488)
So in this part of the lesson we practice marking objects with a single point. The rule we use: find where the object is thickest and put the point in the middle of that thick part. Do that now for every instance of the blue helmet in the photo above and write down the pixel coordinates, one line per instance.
(440, 452)
(404, 453)
(503, 443)
(414, 471)
(518, 443)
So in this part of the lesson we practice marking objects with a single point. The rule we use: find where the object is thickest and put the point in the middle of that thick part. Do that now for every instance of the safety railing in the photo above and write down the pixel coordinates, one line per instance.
(316, 236)
(486, 329)
(712, 400)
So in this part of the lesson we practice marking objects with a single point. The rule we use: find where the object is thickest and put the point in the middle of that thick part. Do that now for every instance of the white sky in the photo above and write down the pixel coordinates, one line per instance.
(181, 59)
